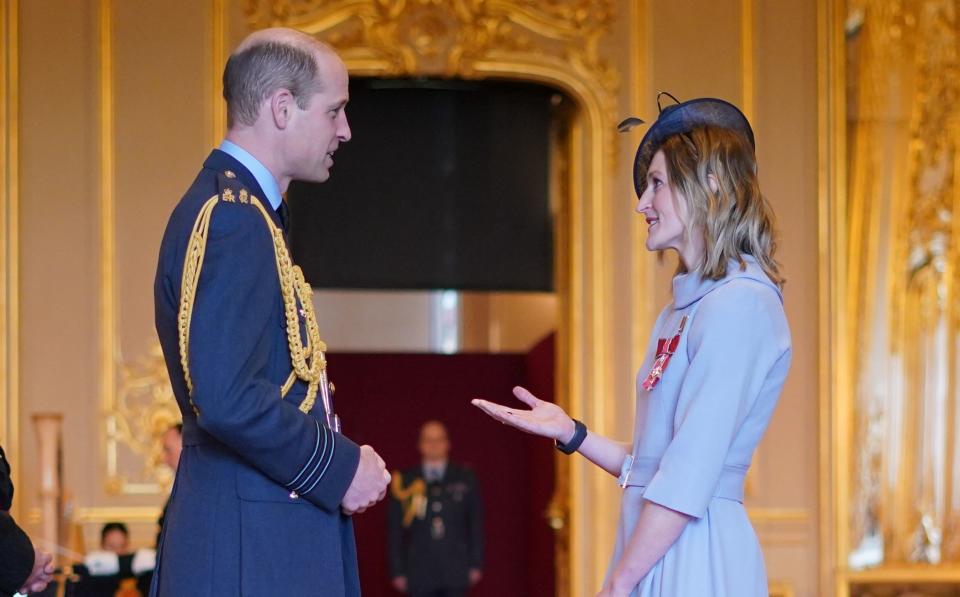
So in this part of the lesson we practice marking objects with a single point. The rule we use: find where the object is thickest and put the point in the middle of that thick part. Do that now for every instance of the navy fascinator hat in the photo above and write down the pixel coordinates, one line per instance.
(683, 117)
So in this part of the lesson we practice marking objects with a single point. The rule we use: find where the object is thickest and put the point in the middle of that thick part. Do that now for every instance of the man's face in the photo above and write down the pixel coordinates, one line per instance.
(434, 444)
(116, 541)
(315, 133)
(172, 445)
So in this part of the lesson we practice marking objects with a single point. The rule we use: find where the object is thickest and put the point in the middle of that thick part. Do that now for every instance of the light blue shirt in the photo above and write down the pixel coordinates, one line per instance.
(266, 180)
(434, 472)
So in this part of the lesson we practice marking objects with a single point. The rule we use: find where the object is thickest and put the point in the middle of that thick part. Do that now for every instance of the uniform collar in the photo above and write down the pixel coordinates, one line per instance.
(439, 469)
(220, 161)
(690, 287)
(266, 181)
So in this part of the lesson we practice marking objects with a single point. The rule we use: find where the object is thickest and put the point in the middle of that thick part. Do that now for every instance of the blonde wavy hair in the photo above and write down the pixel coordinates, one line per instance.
(735, 219)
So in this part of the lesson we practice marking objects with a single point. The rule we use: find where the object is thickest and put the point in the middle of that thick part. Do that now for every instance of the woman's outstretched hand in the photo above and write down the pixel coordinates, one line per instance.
(544, 418)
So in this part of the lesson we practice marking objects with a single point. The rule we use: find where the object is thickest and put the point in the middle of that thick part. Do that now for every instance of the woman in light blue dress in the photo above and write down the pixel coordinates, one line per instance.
(713, 373)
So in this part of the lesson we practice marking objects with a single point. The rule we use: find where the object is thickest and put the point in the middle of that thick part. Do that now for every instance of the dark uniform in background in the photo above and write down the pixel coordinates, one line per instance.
(16, 550)
(437, 538)
(255, 508)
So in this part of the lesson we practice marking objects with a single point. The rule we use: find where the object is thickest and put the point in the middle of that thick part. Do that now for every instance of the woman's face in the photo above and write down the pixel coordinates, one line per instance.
(665, 210)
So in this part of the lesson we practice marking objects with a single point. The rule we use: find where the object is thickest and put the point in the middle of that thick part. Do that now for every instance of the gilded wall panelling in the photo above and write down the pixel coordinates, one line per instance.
(834, 380)
(107, 211)
(644, 309)
(9, 244)
(890, 80)
(216, 61)
(781, 590)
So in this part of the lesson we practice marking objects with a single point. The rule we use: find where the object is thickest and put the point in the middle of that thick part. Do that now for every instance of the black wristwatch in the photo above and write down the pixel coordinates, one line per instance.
(579, 434)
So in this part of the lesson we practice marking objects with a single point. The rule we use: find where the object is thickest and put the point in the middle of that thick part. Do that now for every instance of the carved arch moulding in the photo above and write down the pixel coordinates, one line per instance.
(549, 41)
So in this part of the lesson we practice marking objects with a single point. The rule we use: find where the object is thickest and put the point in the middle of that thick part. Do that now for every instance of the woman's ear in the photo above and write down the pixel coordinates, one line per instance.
(714, 184)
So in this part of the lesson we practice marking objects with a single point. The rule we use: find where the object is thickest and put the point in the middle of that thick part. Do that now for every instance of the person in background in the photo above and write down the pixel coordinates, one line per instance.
(435, 523)
(172, 442)
(106, 571)
(23, 568)
(115, 538)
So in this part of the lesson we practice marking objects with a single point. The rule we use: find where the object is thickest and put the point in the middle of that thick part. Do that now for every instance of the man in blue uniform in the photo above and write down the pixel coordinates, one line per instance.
(435, 523)
(266, 482)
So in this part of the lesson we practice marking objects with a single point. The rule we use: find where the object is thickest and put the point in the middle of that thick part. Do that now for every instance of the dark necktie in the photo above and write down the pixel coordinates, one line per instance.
(284, 212)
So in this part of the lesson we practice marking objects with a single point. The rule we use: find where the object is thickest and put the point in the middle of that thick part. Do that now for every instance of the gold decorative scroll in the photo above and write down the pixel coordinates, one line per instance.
(455, 38)
(145, 408)
(904, 188)
(432, 37)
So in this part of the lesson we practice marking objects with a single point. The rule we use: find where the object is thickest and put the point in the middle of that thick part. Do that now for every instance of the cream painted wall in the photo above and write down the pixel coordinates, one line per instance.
(404, 321)
(161, 140)
(162, 80)
(58, 235)
(160, 94)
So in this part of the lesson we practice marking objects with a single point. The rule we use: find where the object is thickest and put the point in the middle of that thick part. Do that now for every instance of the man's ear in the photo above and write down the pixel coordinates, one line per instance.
(714, 184)
(281, 108)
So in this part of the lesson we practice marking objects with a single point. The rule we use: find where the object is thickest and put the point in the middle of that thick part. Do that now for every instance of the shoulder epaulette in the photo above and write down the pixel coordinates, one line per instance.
(231, 190)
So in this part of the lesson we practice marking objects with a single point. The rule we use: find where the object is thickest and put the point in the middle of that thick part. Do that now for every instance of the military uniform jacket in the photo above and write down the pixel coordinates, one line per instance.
(445, 540)
(16, 551)
(255, 508)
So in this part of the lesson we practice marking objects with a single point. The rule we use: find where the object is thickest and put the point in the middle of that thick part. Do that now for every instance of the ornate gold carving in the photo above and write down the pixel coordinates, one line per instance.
(145, 408)
(450, 38)
(780, 589)
(925, 318)
(904, 235)
(100, 515)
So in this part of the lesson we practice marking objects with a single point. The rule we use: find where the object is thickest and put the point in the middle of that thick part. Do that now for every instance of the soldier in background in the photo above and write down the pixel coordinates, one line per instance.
(172, 444)
(435, 523)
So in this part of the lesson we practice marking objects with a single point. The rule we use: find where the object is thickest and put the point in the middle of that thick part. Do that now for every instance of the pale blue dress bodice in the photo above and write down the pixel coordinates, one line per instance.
(697, 428)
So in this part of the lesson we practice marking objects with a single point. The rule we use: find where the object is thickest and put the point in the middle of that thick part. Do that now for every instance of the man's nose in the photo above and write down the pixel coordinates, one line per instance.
(343, 130)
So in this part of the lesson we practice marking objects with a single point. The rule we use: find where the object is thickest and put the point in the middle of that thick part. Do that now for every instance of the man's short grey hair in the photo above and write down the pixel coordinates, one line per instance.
(255, 73)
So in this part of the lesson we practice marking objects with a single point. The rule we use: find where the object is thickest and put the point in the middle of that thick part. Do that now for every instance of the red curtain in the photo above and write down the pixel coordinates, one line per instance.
(383, 399)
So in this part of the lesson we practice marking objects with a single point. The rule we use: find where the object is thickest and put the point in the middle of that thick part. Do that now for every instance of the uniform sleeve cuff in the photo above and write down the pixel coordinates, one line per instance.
(329, 470)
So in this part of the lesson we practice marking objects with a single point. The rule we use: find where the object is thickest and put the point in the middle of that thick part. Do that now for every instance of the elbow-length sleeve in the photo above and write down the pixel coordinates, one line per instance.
(737, 337)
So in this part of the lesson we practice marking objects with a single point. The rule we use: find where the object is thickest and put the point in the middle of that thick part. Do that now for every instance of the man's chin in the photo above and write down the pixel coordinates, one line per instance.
(319, 177)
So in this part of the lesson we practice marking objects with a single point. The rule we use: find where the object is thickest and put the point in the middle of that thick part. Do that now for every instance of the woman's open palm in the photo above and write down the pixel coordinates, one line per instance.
(544, 418)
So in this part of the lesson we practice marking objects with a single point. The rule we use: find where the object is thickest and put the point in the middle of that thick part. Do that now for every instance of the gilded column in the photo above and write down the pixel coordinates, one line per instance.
(9, 224)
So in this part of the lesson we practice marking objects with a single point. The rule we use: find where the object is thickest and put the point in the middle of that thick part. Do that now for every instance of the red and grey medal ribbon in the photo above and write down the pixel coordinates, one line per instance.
(665, 350)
